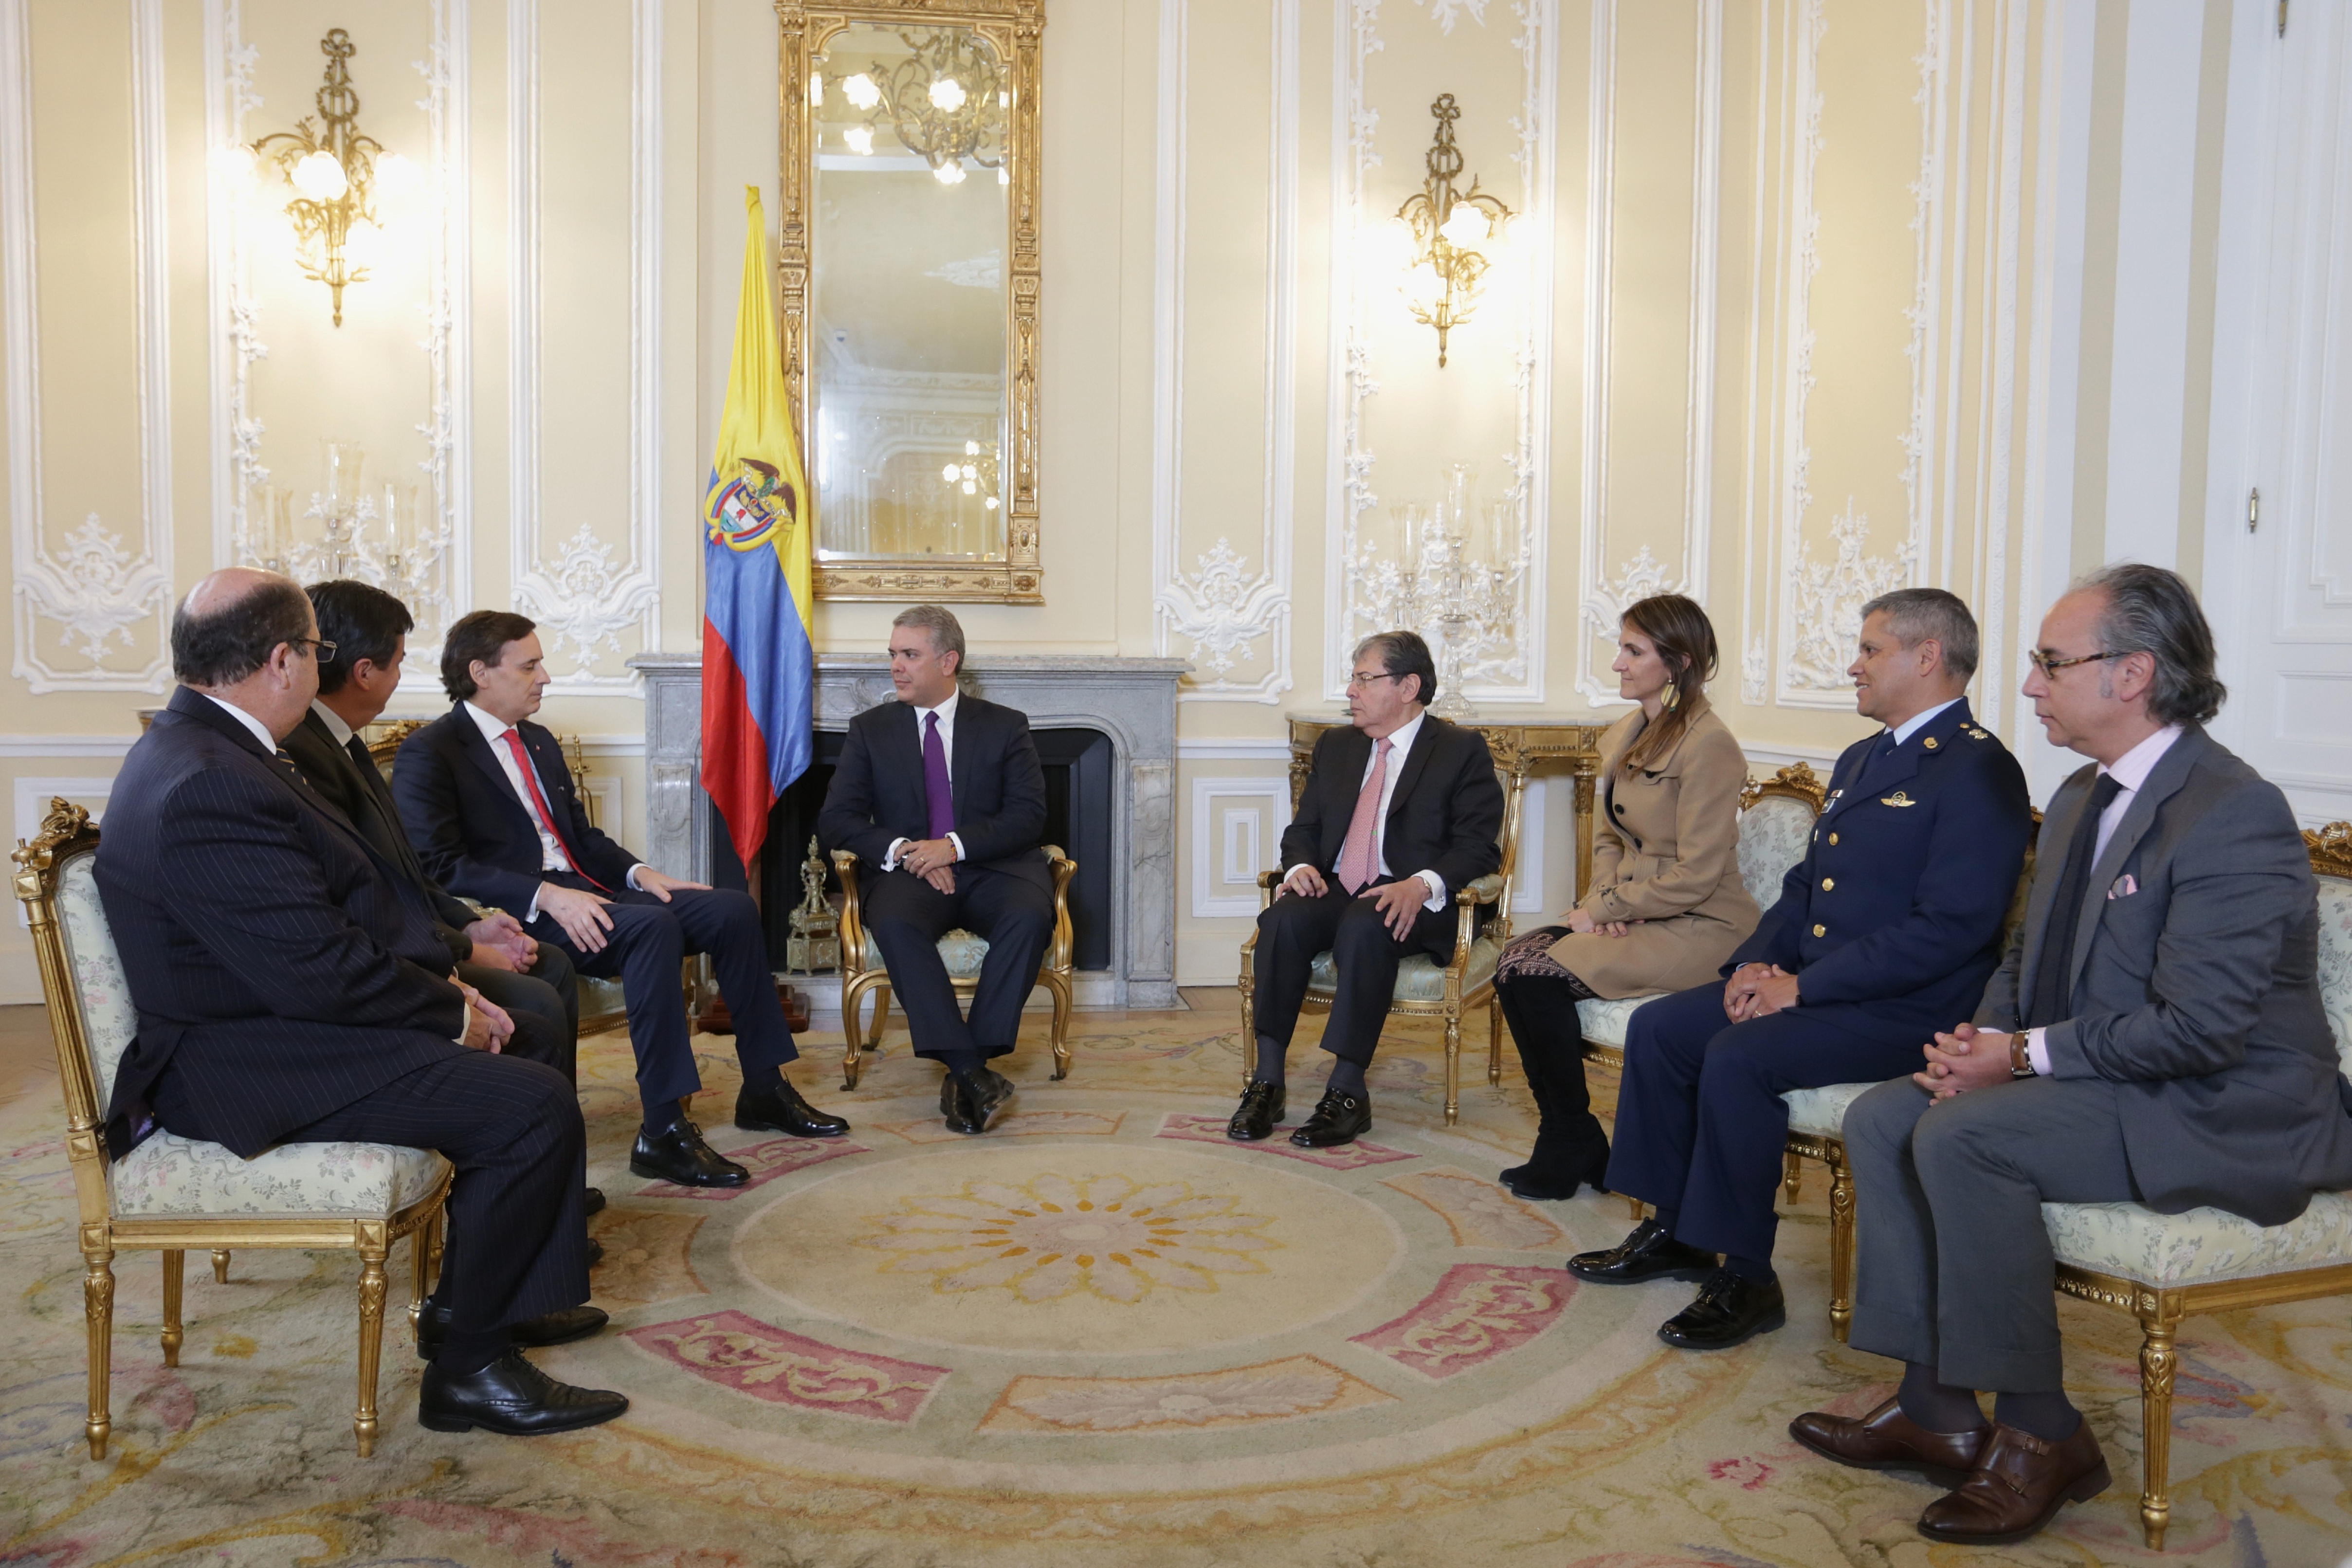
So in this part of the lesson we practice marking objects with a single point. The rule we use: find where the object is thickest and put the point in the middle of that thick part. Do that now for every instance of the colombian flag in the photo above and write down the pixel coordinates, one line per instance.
(757, 552)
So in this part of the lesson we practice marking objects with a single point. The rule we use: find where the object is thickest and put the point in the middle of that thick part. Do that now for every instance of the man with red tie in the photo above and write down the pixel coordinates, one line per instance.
(1401, 812)
(941, 797)
(490, 807)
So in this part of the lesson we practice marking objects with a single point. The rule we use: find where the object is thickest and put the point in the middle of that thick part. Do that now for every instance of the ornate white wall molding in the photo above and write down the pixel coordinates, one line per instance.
(1235, 833)
(235, 339)
(1825, 600)
(87, 584)
(1232, 614)
(586, 596)
(1804, 226)
(448, 341)
(1506, 672)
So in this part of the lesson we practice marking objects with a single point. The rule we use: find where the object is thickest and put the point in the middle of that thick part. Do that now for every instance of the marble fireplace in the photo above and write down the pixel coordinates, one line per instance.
(1133, 701)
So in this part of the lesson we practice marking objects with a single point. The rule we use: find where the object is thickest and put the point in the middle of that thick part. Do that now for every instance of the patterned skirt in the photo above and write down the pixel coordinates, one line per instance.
(1529, 958)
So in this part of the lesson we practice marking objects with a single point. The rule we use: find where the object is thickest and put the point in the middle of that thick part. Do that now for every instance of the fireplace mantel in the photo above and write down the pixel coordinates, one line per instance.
(1132, 700)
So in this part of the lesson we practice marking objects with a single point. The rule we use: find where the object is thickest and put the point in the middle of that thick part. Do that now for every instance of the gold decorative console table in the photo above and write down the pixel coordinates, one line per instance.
(1574, 744)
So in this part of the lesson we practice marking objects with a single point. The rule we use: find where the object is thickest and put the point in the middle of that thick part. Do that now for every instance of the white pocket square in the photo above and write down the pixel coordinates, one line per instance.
(2126, 886)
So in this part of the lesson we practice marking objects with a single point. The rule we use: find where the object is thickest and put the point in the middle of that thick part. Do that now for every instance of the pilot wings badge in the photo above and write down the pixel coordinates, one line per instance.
(754, 509)
(1897, 798)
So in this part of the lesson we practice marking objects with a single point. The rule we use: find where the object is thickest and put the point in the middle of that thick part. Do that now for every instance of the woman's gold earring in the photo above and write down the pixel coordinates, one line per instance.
(1671, 697)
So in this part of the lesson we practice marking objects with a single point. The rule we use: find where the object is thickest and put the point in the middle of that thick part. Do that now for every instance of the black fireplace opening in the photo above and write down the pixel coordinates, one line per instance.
(1080, 793)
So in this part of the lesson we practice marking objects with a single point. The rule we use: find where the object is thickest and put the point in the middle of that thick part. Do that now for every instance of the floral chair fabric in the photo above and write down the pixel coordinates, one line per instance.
(961, 951)
(2202, 1247)
(1420, 978)
(168, 1175)
(2335, 962)
(1821, 1111)
(1772, 835)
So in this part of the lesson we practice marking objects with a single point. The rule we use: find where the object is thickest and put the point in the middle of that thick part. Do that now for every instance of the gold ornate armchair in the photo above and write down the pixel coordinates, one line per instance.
(960, 950)
(170, 1193)
(1424, 988)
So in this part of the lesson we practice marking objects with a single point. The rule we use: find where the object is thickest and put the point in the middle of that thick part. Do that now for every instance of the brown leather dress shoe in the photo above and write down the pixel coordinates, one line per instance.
(2019, 1485)
(1886, 1439)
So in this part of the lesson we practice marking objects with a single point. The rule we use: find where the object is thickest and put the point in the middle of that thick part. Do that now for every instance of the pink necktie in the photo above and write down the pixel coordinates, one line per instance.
(1358, 864)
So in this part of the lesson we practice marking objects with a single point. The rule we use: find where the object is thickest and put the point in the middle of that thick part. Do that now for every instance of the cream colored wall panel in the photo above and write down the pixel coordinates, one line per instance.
(84, 284)
(1225, 372)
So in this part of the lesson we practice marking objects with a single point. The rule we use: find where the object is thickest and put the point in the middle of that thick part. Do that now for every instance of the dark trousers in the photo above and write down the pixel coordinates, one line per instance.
(648, 941)
(907, 916)
(1541, 1011)
(517, 1242)
(543, 1003)
(1700, 1126)
(1296, 928)
(1953, 1268)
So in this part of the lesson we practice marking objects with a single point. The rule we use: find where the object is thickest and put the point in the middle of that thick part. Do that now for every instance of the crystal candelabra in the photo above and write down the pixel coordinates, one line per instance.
(1457, 581)
(372, 534)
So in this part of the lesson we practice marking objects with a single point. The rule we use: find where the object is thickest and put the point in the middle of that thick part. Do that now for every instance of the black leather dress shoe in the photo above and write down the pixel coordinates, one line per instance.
(1340, 1118)
(1649, 1253)
(557, 1327)
(512, 1396)
(592, 1202)
(782, 1110)
(595, 1252)
(677, 1154)
(1730, 1309)
(975, 1099)
(1260, 1109)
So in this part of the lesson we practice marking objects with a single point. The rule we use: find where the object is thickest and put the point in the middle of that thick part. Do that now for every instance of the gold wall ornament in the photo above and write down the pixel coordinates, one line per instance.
(884, 396)
(1446, 272)
(333, 166)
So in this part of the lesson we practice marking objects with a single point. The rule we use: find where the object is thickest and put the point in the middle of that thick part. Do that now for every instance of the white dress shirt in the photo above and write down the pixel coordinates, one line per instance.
(551, 857)
(333, 721)
(1917, 721)
(1401, 741)
(2130, 771)
(946, 713)
(255, 727)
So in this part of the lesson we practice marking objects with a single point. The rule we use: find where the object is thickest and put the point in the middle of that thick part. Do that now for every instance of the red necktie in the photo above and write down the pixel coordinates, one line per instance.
(513, 739)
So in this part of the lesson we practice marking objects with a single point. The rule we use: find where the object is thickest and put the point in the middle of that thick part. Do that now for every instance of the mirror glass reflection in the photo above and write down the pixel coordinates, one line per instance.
(907, 305)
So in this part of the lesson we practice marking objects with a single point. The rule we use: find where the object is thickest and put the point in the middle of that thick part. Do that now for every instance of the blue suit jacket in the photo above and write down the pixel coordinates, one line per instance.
(280, 968)
(1892, 920)
(472, 831)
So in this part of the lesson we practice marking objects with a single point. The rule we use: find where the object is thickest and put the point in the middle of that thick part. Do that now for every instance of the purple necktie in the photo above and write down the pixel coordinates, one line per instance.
(935, 778)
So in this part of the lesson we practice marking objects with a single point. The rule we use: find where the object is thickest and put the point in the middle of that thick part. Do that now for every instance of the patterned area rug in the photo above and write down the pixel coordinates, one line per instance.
(1100, 1336)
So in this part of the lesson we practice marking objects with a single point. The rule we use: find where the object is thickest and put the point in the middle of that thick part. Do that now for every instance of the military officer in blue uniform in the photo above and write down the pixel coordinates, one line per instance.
(1884, 934)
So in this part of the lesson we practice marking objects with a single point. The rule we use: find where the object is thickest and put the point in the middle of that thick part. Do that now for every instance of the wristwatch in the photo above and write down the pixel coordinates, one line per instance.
(2020, 1065)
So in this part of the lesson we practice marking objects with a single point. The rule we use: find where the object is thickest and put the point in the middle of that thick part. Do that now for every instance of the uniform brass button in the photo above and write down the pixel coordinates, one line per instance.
(1820, 930)
(1832, 837)
(1930, 742)
(1829, 884)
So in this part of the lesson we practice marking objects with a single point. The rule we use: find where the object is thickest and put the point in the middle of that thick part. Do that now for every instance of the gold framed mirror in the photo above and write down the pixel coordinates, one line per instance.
(907, 256)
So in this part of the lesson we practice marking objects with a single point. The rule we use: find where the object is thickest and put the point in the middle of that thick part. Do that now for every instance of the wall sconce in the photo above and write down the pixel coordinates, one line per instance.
(946, 103)
(1445, 272)
(333, 169)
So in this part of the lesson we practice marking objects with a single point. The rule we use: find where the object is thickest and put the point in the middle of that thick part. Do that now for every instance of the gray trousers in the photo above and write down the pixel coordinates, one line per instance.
(1952, 1266)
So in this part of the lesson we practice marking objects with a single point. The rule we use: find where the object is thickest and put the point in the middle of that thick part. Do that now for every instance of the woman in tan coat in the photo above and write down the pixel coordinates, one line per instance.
(1665, 906)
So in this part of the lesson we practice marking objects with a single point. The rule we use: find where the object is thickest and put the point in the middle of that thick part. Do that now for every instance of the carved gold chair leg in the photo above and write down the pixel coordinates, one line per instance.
(175, 1264)
(371, 1292)
(1792, 1174)
(1249, 1020)
(1060, 986)
(1453, 1068)
(424, 1250)
(97, 1308)
(1494, 1041)
(1841, 1243)
(220, 1266)
(2159, 1316)
(852, 1000)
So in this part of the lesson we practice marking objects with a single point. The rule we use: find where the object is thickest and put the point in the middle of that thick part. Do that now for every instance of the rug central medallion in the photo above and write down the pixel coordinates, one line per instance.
(1054, 1236)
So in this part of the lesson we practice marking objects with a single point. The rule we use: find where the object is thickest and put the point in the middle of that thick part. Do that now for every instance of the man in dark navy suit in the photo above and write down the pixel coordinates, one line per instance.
(942, 799)
(1883, 933)
(490, 806)
(290, 990)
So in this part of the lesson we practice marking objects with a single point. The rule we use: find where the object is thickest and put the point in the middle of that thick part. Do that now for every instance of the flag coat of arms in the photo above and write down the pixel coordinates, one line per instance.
(757, 518)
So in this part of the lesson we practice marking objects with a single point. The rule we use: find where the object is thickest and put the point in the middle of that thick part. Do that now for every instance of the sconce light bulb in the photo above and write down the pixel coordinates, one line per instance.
(860, 138)
(235, 161)
(990, 504)
(970, 489)
(861, 91)
(971, 449)
(949, 174)
(947, 94)
(1465, 226)
(320, 178)
(951, 473)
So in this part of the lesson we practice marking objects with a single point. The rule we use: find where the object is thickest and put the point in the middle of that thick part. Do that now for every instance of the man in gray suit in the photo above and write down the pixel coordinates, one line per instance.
(2155, 1036)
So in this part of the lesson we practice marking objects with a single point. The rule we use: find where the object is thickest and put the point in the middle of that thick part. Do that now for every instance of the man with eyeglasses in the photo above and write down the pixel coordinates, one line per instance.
(2155, 1034)
(1401, 812)
(291, 989)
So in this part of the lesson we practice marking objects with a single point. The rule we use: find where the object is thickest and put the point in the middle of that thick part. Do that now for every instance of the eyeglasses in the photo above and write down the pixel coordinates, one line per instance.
(1359, 680)
(2049, 666)
(322, 649)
